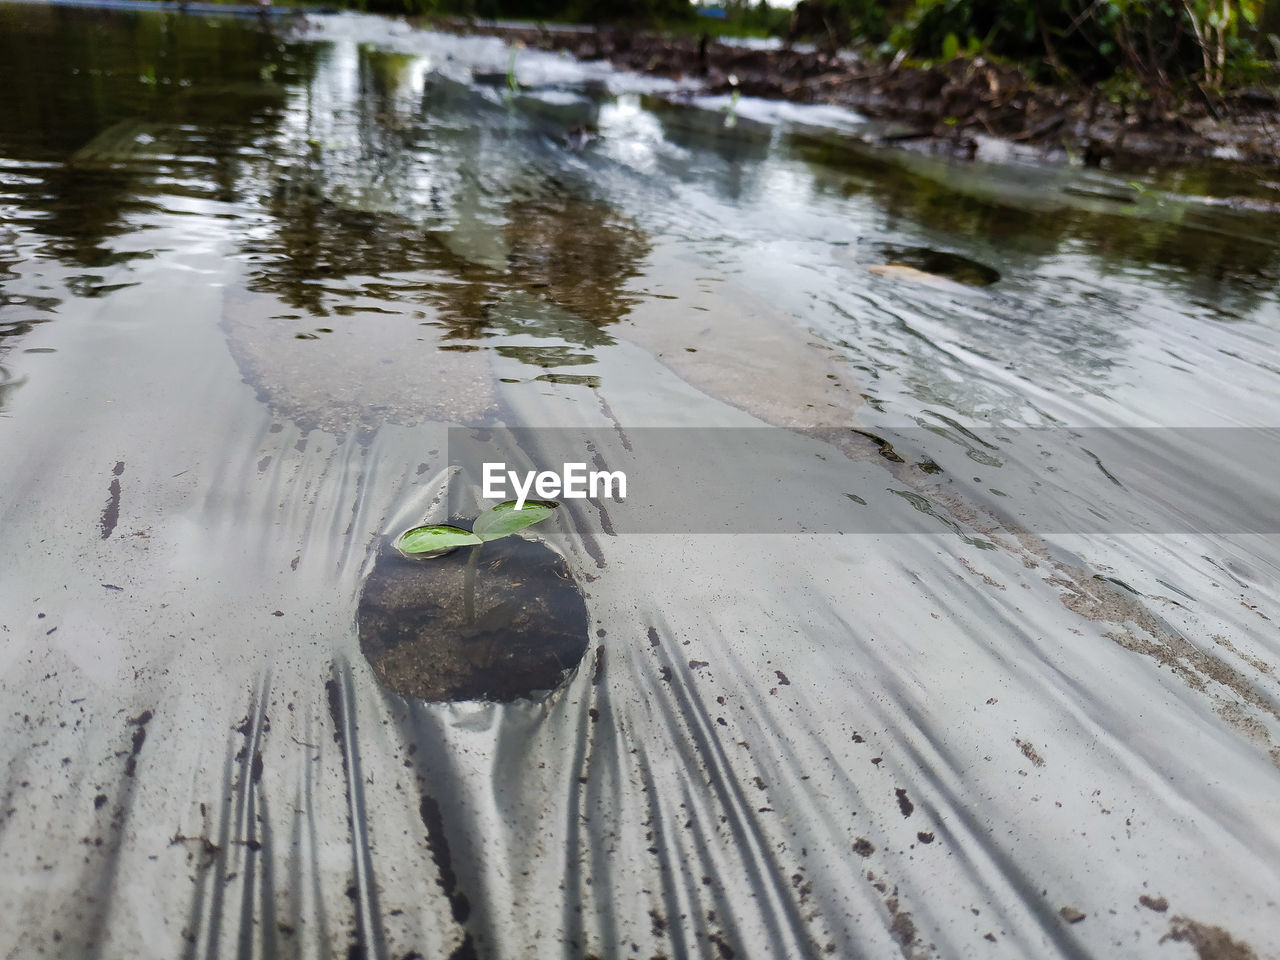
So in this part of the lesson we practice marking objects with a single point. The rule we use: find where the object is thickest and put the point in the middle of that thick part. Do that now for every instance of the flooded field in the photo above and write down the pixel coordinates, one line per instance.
(940, 618)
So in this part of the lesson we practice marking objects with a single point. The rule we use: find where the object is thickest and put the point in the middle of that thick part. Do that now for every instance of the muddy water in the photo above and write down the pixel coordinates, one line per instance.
(980, 669)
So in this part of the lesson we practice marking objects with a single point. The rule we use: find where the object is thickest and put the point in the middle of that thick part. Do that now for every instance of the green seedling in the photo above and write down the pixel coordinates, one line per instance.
(437, 540)
(731, 111)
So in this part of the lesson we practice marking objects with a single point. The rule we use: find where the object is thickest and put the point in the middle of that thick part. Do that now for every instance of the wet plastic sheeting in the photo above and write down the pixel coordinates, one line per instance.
(779, 745)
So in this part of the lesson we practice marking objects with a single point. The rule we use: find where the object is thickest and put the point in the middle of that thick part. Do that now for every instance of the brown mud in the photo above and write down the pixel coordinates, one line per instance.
(525, 633)
(944, 107)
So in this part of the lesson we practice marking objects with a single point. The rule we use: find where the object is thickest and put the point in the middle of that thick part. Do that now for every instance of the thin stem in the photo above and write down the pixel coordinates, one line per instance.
(469, 598)
(1202, 38)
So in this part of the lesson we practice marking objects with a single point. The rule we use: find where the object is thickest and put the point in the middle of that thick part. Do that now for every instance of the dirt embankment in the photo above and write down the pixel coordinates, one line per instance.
(948, 106)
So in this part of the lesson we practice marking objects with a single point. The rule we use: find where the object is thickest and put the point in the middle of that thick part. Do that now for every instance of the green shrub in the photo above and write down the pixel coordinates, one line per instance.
(1157, 42)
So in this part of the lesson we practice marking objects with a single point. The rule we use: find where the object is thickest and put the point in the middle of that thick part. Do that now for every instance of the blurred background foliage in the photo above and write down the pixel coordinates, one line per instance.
(637, 12)
(1154, 44)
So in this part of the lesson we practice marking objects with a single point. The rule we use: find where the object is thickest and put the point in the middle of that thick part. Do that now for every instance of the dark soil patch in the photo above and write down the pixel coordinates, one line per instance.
(529, 629)
(904, 802)
(1209, 942)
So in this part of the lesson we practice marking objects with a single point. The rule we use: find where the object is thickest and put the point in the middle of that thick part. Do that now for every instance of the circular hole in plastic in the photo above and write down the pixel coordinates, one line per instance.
(520, 633)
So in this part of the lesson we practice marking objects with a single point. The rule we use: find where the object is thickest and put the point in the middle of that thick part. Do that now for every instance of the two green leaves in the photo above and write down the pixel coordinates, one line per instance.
(495, 523)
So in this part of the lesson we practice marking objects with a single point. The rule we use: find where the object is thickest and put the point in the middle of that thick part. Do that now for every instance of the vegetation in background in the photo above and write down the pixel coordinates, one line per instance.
(638, 12)
(1156, 45)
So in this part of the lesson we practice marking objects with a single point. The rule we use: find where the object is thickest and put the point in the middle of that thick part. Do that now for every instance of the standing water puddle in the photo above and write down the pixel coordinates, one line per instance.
(917, 636)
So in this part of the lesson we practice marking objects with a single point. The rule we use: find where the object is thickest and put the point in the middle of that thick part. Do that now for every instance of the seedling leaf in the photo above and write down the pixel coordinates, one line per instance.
(434, 540)
(497, 522)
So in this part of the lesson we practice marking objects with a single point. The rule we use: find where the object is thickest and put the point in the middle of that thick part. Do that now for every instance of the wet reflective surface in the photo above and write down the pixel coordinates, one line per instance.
(249, 278)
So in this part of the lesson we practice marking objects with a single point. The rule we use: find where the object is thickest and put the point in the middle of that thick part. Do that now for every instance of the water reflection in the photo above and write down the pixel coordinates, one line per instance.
(418, 259)
(388, 209)
(580, 254)
(142, 105)
(572, 253)
(1141, 229)
(738, 146)
(353, 191)
(390, 197)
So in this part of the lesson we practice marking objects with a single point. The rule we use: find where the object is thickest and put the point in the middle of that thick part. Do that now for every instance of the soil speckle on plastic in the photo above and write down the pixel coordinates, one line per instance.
(901, 926)
(659, 923)
(904, 802)
(725, 951)
(438, 845)
(466, 950)
(1210, 943)
(1029, 752)
(139, 723)
(334, 699)
(111, 511)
